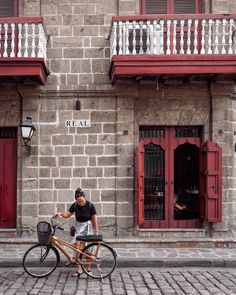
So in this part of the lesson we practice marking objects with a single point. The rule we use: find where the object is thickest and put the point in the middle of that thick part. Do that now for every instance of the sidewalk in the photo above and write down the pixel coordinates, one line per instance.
(132, 254)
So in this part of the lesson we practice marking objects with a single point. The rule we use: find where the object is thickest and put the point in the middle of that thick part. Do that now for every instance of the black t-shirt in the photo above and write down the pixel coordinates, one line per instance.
(83, 213)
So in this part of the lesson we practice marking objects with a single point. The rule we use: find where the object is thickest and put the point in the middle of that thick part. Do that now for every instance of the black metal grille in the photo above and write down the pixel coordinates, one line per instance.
(8, 132)
(154, 182)
(151, 132)
(187, 132)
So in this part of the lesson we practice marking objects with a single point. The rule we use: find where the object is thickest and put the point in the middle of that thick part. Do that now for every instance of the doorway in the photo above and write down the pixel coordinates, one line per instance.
(169, 184)
(8, 156)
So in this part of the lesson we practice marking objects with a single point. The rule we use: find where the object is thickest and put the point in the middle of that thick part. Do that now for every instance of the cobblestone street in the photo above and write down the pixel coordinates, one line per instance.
(124, 281)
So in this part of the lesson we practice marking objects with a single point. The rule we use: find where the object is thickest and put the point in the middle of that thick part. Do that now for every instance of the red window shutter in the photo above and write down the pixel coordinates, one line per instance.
(8, 8)
(211, 182)
(183, 6)
(156, 7)
(171, 6)
(140, 183)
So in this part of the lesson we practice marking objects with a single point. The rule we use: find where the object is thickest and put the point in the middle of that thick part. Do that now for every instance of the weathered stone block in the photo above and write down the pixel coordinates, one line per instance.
(46, 196)
(94, 150)
(47, 161)
(73, 53)
(107, 139)
(65, 161)
(108, 209)
(65, 196)
(106, 161)
(92, 139)
(85, 79)
(45, 183)
(79, 172)
(62, 150)
(65, 172)
(60, 66)
(67, 42)
(30, 172)
(62, 139)
(86, 31)
(52, 20)
(29, 184)
(94, 172)
(30, 210)
(89, 183)
(61, 183)
(47, 209)
(81, 161)
(64, 9)
(31, 196)
(84, 8)
(94, 19)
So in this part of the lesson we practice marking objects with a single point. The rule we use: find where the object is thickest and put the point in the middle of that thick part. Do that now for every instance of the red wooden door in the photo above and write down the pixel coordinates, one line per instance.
(211, 182)
(179, 141)
(152, 204)
(170, 165)
(8, 182)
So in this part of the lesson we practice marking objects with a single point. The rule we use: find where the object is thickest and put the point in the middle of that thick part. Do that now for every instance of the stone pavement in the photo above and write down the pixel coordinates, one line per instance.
(141, 255)
(138, 281)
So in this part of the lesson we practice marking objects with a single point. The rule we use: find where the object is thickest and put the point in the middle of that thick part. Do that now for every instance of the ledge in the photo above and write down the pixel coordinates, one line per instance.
(153, 65)
(33, 68)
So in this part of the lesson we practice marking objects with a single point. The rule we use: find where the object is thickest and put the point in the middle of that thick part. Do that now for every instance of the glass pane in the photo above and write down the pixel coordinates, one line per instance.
(188, 132)
(154, 182)
(151, 132)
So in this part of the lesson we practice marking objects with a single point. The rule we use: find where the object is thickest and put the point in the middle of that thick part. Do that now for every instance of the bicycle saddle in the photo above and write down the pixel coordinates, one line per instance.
(90, 238)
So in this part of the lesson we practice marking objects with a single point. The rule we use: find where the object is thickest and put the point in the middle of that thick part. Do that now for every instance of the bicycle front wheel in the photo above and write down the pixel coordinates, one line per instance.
(40, 261)
(98, 260)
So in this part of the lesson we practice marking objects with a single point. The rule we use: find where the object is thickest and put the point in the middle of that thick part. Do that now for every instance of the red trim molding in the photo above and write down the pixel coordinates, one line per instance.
(21, 20)
(173, 16)
(34, 68)
(171, 65)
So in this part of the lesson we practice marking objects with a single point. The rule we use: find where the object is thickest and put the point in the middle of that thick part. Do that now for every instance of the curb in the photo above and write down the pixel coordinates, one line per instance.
(147, 262)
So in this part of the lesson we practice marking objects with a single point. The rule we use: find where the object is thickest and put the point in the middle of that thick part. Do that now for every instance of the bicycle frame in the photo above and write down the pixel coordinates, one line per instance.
(59, 241)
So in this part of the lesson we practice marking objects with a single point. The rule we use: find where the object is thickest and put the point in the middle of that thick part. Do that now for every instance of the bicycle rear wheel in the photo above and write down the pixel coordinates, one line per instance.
(98, 260)
(40, 261)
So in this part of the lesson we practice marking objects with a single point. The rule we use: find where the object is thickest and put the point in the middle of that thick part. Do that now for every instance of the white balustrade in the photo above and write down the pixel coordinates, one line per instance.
(173, 36)
(22, 40)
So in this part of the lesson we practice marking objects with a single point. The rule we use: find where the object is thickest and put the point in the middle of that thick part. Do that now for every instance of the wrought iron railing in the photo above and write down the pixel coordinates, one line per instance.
(22, 38)
(173, 34)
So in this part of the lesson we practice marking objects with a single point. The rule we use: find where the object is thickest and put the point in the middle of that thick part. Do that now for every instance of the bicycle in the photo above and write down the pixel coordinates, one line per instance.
(97, 259)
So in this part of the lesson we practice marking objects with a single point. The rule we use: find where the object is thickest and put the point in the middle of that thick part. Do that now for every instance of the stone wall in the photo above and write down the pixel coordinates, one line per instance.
(101, 158)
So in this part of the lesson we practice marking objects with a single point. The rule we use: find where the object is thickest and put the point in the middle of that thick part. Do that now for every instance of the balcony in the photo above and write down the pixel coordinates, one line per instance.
(163, 46)
(23, 46)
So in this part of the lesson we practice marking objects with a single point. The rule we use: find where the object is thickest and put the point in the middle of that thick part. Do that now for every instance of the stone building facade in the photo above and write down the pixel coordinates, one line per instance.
(101, 158)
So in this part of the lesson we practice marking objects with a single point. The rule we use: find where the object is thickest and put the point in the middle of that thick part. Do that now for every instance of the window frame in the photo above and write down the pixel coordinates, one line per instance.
(170, 6)
(15, 12)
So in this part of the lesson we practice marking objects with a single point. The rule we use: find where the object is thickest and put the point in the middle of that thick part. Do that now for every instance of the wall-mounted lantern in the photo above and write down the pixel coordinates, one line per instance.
(27, 131)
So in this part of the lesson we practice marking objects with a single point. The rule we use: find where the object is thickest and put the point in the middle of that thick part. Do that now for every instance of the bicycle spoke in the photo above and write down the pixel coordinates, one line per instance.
(40, 261)
(100, 266)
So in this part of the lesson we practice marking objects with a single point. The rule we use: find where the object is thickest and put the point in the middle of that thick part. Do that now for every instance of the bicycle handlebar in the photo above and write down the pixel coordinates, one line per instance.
(55, 226)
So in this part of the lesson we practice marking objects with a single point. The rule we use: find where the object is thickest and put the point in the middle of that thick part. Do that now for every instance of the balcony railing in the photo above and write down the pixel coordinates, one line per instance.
(22, 38)
(173, 34)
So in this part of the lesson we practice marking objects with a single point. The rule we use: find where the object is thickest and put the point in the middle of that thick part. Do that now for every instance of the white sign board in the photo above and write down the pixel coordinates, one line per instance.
(77, 123)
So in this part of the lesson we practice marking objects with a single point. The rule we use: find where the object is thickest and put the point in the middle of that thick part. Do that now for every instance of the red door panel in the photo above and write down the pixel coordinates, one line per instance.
(140, 183)
(8, 183)
(142, 222)
(211, 182)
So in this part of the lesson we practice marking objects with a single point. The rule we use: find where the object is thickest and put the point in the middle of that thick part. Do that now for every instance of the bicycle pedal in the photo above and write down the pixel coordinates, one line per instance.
(68, 264)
